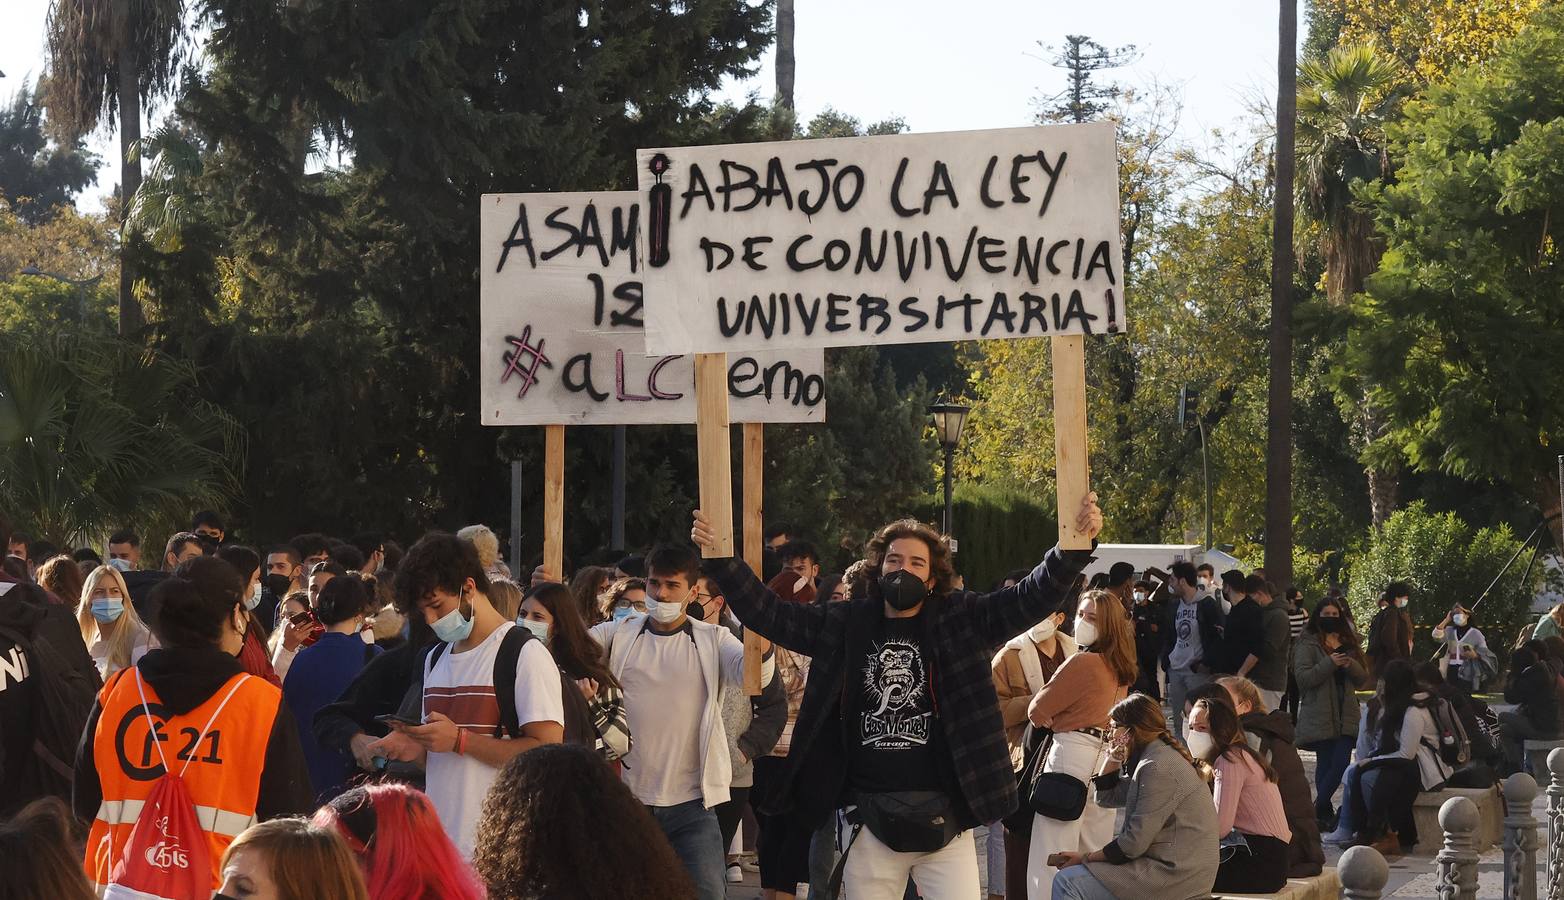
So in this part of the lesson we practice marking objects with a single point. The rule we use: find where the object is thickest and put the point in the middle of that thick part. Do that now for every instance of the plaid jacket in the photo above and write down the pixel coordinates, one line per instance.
(961, 631)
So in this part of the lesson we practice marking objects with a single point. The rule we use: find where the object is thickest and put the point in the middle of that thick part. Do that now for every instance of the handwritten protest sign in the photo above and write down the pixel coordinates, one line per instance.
(562, 309)
(883, 240)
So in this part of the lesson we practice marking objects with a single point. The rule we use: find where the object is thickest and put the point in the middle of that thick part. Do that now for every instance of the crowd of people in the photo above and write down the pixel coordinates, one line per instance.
(343, 719)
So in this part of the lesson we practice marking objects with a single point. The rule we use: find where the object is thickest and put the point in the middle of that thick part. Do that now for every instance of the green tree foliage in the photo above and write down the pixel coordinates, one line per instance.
(1446, 561)
(37, 176)
(1345, 100)
(1197, 241)
(96, 433)
(1459, 332)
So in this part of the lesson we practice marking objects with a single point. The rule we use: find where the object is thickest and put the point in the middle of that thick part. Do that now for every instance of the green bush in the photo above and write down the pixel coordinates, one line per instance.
(1446, 561)
(996, 529)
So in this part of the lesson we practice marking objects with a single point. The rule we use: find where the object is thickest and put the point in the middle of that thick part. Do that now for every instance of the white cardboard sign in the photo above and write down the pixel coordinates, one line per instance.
(561, 297)
(893, 239)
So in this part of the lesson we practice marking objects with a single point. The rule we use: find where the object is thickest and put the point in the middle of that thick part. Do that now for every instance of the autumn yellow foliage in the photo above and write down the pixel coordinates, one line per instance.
(1433, 38)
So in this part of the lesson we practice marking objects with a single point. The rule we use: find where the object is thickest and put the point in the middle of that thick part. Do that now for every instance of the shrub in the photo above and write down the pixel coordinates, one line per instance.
(1446, 561)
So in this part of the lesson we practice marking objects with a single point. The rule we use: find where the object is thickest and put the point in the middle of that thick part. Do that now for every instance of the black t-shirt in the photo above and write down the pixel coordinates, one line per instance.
(895, 742)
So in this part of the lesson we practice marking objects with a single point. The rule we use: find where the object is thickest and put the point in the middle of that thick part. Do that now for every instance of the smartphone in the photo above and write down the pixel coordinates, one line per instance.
(389, 718)
(1054, 859)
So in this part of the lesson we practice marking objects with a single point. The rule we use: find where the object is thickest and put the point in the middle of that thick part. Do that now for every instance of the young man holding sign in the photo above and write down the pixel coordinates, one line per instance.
(900, 725)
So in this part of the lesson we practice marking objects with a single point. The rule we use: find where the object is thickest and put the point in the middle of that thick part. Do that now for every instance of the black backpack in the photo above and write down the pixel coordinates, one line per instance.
(1455, 746)
(578, 721)
(63, 700)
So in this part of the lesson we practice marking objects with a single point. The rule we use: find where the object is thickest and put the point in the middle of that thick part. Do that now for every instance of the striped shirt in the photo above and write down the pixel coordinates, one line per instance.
(1298, 618)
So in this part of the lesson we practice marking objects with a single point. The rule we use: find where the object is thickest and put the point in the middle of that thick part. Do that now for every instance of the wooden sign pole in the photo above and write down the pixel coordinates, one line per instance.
(1073, 477)
(712, 450)
(755, 646)
(553, 502)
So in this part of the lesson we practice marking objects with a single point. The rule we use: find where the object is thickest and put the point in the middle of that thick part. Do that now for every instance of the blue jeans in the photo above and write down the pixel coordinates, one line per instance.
(1078, 883)
(696, 837)
(1330, 764)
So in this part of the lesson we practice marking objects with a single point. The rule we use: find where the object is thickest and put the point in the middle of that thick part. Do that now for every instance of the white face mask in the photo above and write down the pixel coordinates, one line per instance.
(254, 599)
(1203, 582)
(664, 613)
(1085, 633)
(1044, 630)
(1200, 744)
(1459, 619)
(1140, 596)
(1401, 602)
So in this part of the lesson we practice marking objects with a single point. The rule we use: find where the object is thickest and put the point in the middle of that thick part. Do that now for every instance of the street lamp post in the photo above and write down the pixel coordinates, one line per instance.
(81, 286)
(949, 420)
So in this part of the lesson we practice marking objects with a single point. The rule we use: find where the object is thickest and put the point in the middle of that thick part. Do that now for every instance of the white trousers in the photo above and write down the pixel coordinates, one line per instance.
(876, 872)
(1080, 755)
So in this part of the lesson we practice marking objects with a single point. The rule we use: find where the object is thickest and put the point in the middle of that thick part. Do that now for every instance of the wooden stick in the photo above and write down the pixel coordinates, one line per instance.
(553, 502)
(711, 444)
(1073, 475)
(755, 646)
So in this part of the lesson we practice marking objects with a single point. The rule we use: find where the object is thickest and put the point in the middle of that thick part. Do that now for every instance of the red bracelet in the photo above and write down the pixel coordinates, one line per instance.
(461, 741)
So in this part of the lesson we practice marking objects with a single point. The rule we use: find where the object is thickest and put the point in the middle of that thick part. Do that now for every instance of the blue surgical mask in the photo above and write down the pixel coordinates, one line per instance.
(539, 630)
(453, 626)
(623, 612)
(107, 609)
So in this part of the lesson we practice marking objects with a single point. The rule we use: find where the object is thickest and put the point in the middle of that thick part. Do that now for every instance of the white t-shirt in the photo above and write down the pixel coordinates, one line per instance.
(665, 696)
(99, 651)
(461, 687)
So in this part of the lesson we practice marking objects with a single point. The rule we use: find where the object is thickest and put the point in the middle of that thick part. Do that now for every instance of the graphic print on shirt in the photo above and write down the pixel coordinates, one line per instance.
(896, 710)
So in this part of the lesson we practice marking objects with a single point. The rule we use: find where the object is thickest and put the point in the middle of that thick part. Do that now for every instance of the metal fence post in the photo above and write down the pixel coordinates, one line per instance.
(1457, 859)
(1556, 824)
(1520, 838)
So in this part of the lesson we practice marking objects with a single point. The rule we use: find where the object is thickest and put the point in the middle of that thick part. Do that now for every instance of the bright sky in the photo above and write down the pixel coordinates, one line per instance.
(940, 65)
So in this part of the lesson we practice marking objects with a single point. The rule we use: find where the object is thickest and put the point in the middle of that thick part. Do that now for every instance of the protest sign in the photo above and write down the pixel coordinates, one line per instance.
(561, 341)
(890, 239)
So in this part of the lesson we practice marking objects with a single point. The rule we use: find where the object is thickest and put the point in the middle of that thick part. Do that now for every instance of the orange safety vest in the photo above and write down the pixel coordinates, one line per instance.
(224, 772)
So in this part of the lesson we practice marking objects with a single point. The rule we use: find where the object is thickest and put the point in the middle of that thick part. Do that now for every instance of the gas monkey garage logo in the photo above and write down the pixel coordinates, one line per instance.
(896, 689)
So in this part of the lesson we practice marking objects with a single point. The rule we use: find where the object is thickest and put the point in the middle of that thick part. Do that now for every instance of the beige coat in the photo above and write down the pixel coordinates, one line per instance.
(1018, 676)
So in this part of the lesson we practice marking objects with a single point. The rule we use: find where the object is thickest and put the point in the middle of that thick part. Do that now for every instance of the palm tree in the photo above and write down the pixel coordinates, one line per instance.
(99, 433)
(1343, 105)
(105, 58)
(786, 65)
(1278, 441)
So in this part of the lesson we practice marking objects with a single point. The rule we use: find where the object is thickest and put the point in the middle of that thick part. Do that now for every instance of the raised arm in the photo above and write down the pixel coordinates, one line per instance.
(1005, 613)
(796, 626)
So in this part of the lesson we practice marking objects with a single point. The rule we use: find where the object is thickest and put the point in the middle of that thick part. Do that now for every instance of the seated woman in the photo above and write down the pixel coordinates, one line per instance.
(1167, 846)
(1250, 818)
(1270, 734)
(1536, 715)
(1397, 758)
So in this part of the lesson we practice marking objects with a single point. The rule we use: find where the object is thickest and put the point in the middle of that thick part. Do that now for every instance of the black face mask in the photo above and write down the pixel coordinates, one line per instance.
(695, 610)
(277, 584)
(902, 590)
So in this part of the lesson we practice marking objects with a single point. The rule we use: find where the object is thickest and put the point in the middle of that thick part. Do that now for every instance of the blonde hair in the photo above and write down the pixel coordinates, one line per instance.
(305, 861)
(485, 541)
(505, 597)
(1245, 690)
(126, 630)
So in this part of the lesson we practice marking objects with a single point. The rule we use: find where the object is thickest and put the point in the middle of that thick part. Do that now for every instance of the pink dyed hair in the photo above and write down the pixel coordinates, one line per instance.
(408, 857)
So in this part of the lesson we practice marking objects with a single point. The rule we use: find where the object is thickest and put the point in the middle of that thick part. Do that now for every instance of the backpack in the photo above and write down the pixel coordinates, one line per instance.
(578, 721)
(1455, 746)
(167, 854)
(62, 703)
